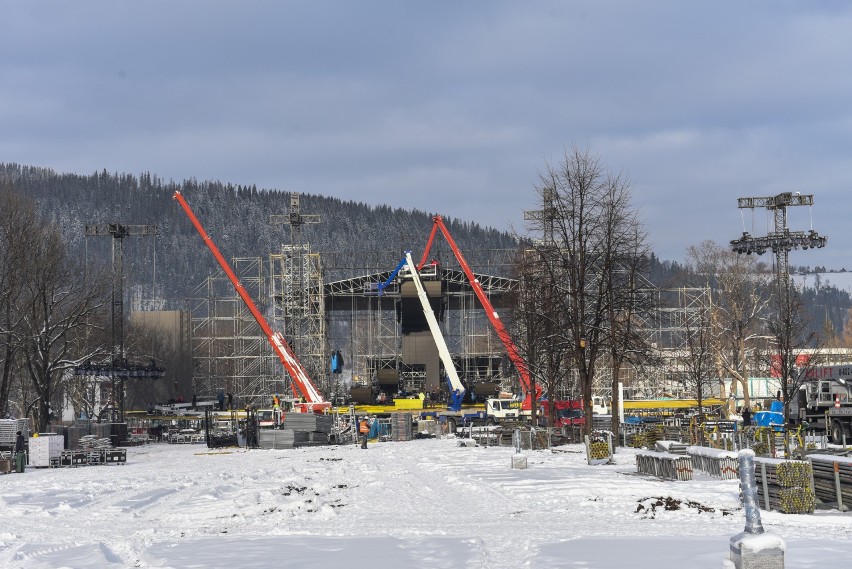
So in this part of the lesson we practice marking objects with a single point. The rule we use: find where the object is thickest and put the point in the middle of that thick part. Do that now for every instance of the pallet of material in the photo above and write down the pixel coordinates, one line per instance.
(674, 447)
(282, 438)
(9, 430)
(785, 485)
(402, 427)
(308, 422)
(6, 466)
(832, 479)
(89, 442)
(715, 462)
(665, 465)
(676, 433)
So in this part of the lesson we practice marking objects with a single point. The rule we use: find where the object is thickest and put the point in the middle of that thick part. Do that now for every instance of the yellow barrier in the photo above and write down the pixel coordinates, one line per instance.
(630, 404)
(404, 404)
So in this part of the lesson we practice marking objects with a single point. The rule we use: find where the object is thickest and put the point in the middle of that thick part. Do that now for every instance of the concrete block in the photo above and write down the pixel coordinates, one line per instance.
(757, 551)
(519, 461)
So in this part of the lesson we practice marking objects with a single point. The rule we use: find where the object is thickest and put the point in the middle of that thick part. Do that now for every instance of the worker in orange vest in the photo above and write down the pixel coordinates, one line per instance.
(364, 429)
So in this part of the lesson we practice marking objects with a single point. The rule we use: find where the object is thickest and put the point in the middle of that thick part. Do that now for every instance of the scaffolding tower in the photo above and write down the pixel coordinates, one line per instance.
(298, 308)
(296, 281)
(229, 350)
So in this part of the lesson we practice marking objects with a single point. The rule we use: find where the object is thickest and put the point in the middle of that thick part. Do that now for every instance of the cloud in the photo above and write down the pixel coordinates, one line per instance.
(446, 106)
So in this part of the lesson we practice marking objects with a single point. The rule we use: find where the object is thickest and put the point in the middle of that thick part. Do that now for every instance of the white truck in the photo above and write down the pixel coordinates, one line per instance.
(825, 401)
(496, 411)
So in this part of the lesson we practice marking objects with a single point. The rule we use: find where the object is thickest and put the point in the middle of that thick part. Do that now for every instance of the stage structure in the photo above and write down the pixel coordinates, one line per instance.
(388, 341)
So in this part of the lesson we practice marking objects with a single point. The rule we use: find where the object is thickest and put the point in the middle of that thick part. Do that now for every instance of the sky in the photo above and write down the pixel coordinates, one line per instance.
(422, 504)
(451, 107)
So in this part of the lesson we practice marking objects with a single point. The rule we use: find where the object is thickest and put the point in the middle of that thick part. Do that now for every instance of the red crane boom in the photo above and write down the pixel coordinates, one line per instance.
(502, 333)
(306, 388)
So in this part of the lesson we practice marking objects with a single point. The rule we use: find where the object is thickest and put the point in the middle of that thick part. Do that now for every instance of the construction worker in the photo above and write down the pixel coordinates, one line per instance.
(20, 454)
(364, 430)
(276, 410)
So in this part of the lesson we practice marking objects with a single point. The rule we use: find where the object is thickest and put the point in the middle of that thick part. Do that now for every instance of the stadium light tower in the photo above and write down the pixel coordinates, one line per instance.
(781, 241)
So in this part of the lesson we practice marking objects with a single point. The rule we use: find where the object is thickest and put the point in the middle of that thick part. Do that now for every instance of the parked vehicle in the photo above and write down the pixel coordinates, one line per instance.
(825, 401)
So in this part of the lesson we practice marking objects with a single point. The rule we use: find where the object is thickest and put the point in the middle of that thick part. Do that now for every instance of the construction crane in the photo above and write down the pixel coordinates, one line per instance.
(493, 317)
(313, 400)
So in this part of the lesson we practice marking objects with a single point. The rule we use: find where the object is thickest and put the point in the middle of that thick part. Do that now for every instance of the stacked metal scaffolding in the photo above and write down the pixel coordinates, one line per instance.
(230, 351)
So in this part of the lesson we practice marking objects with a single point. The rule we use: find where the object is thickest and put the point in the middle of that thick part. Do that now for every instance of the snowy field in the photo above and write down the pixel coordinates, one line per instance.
(418, 504)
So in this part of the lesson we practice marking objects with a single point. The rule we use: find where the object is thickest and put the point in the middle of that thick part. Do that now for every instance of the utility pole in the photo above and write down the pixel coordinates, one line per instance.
(118, 365)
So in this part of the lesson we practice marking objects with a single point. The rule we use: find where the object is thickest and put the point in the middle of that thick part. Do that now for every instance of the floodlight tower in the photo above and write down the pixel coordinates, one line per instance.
(118, 365)
(781, 241)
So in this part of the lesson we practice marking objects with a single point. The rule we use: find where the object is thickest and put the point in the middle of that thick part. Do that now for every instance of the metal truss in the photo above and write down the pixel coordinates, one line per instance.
(298, 308)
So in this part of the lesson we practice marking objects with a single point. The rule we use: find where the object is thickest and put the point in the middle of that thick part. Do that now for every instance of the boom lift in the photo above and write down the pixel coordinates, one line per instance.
(457, 390)
(502, 333)
(313, 399)
(496, 410)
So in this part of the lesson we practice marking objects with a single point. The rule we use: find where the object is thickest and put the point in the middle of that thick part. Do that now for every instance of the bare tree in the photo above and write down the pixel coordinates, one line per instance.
(57, 306)
(539, 321)
(792, 334)
(17, 217)
(591, 233)
(740, 308)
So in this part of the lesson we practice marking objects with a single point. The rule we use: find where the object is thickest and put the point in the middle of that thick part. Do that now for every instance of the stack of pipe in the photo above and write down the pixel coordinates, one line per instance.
(785, 485)
(833, 479)
(665, 465)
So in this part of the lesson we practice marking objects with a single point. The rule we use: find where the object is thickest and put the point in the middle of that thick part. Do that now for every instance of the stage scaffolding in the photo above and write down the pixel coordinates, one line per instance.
(229, 350)
(676, 310)
(363, 325)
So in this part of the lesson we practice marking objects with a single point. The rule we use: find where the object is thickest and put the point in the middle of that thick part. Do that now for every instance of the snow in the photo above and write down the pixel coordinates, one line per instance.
(715, 453)
(756, 543)
(418, 504)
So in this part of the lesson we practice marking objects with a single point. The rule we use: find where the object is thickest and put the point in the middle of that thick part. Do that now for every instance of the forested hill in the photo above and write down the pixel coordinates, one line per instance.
(350, 234)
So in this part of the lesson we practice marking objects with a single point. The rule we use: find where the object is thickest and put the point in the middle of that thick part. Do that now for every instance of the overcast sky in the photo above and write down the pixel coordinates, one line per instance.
(450, 107)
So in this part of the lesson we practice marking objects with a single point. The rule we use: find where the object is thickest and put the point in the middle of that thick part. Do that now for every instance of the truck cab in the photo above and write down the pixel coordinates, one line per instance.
(503, 409)
(824, 401)
(568, 413)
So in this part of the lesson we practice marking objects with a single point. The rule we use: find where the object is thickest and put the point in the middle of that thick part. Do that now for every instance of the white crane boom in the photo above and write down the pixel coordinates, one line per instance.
(443, 351)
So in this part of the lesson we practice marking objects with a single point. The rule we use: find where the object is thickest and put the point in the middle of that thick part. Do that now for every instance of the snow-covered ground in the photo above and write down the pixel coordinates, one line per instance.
(418, 504)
